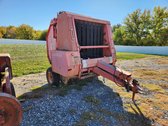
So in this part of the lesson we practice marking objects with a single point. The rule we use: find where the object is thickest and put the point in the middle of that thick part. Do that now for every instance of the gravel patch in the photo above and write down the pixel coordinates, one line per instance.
(144, 63)
(74, 109)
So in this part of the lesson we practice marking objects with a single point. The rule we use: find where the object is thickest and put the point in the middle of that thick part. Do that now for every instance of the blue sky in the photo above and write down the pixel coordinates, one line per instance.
(38, 13)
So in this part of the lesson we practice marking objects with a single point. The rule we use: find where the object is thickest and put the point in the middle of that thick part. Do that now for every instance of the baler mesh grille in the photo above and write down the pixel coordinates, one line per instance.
(89, 34)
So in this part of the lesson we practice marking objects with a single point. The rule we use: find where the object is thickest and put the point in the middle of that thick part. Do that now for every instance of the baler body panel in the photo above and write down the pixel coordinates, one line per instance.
(51, 42)
(66, 63)
(66, 36)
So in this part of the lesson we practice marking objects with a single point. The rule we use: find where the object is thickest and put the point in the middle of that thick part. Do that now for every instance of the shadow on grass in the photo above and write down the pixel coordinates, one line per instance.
(98, 113)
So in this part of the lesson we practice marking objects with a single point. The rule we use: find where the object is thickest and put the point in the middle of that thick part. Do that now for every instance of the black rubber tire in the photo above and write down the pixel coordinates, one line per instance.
(52, 78)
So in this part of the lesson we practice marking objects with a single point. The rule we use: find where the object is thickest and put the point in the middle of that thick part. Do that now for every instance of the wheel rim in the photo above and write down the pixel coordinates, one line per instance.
(10, 110)
(50, 77)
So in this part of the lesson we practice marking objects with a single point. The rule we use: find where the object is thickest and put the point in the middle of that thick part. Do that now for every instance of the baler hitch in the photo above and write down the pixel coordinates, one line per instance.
(120, 77)
(134, 87)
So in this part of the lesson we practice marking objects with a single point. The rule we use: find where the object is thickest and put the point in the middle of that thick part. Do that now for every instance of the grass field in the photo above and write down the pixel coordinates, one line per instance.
(130, 56)
(28, 59)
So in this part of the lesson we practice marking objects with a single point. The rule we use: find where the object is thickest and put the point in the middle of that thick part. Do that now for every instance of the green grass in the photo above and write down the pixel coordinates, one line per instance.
(30, 58)
(26, 58)
(130, 56)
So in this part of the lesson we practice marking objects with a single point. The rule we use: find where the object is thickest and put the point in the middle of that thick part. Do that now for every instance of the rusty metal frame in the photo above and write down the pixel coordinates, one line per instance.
(10, 108)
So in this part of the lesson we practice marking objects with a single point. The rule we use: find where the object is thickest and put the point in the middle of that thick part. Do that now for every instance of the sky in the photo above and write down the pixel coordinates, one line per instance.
(38, 13)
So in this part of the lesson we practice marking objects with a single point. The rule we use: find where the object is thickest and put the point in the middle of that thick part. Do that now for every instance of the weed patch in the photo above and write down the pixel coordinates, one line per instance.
(93, 100)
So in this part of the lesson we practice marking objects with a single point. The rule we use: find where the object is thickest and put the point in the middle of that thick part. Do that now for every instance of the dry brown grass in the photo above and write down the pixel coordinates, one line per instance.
(153, 88)
(153, 112)
(161, 101)
(162, 61)
(151, 74)
(151, 106)
(165, 86)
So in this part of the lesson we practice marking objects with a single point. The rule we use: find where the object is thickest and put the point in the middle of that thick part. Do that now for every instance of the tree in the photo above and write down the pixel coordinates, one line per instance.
(37, 34)
(2, 31)
(10, 32)
(160, 25)
(115, 27)
(118, 34)
(133, 23)
(145, 28)
(43, 35)
(24, 32)
(139, 28)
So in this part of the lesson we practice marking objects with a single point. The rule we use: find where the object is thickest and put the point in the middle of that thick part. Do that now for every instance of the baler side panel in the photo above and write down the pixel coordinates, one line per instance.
(51, 42)
(66, 63)
(66, 33)
(108, 40)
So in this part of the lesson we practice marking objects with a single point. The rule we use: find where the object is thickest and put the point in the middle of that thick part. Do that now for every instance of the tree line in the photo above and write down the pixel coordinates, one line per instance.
(139, 28)
(143, 28)
(22, 32)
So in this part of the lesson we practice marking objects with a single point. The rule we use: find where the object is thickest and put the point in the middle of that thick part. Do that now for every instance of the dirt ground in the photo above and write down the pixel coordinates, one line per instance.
(152, 74)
